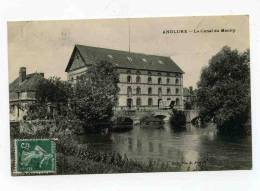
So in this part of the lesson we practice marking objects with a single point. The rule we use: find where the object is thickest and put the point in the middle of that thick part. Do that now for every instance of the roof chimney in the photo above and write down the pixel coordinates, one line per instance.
(22, 74)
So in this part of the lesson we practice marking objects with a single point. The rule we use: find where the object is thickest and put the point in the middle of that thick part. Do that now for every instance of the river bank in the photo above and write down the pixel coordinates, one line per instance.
(75, 158)
(143, 150)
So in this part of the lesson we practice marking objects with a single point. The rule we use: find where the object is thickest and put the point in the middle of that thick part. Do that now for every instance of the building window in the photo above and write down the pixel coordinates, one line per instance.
(177, 101)
(150, 101)
(149, 80)
(128, 71)
(138, 101)
(176, 81)
(138, 91)
(149, 73)
(159, 92)
(168, 80)
(129, 102)
(138, 72)
(138, 79)
(150, 91)
(159, 80)
(129, 91)
(129, 79)
(168, 91)
(177, 91)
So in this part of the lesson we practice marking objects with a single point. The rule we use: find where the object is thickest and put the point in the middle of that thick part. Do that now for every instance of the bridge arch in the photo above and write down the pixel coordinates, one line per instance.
(160, 116)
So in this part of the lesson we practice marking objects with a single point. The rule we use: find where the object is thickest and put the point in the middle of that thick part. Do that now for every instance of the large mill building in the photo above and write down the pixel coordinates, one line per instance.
(147, 82)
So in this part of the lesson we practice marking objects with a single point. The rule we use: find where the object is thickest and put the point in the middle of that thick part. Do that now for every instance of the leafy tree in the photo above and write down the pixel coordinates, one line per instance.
(52, 91)
(223, 94)
(95, 94)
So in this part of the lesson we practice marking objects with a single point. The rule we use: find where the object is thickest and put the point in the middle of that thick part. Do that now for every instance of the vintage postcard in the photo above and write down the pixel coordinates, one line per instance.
(130, 95)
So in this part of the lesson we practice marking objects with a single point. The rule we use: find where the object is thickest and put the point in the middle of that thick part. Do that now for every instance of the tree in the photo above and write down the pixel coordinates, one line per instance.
(52, 92)
(95, 94)
(223, 94)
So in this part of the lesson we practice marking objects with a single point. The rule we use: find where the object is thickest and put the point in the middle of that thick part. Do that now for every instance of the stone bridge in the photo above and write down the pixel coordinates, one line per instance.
(136, 115)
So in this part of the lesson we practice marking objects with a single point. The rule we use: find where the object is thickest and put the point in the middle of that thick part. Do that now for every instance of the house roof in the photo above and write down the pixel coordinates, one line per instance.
(124, 59)
(29, 84)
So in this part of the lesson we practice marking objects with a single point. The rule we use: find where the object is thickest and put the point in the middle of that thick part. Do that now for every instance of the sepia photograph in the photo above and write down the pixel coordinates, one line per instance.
(129, 95)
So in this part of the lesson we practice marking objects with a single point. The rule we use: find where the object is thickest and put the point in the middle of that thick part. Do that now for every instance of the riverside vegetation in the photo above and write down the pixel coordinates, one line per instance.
(73, 158)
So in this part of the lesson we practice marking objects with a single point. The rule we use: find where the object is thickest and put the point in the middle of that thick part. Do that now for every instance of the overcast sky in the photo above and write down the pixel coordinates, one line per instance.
(46, 46)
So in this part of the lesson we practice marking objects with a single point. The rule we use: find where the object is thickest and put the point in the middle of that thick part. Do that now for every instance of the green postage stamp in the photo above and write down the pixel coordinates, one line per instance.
(35, 156)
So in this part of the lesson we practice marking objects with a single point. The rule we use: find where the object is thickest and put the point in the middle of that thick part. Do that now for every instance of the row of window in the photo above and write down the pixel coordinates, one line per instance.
(150, 101)
(150, 73)
(149, 80)
(150, 91)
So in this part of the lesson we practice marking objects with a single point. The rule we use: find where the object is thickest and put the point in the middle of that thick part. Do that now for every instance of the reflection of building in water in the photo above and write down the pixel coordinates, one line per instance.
(150, 146)
(146, 81)
(130, 144)
(160, 148)
(139, 145)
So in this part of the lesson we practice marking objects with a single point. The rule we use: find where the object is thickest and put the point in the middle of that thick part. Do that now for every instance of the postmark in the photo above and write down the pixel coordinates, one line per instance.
(35, 156)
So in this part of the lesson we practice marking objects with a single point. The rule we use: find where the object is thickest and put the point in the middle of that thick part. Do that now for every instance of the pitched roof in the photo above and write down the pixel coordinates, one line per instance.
(124, 59)
(29, 84)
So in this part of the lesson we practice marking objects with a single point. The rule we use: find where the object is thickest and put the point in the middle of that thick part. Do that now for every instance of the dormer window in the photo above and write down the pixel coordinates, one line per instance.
(129, 58)
(144, 60)
(160, 62)
(110, 56)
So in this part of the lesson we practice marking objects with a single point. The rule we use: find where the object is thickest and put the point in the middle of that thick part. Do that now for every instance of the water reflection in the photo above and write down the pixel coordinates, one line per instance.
(191, 146)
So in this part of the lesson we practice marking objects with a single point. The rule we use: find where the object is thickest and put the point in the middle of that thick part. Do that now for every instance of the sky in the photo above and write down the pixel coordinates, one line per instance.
(46, 46)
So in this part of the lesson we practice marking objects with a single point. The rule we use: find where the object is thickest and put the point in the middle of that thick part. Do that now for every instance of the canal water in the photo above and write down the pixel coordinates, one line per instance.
(164, 145)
